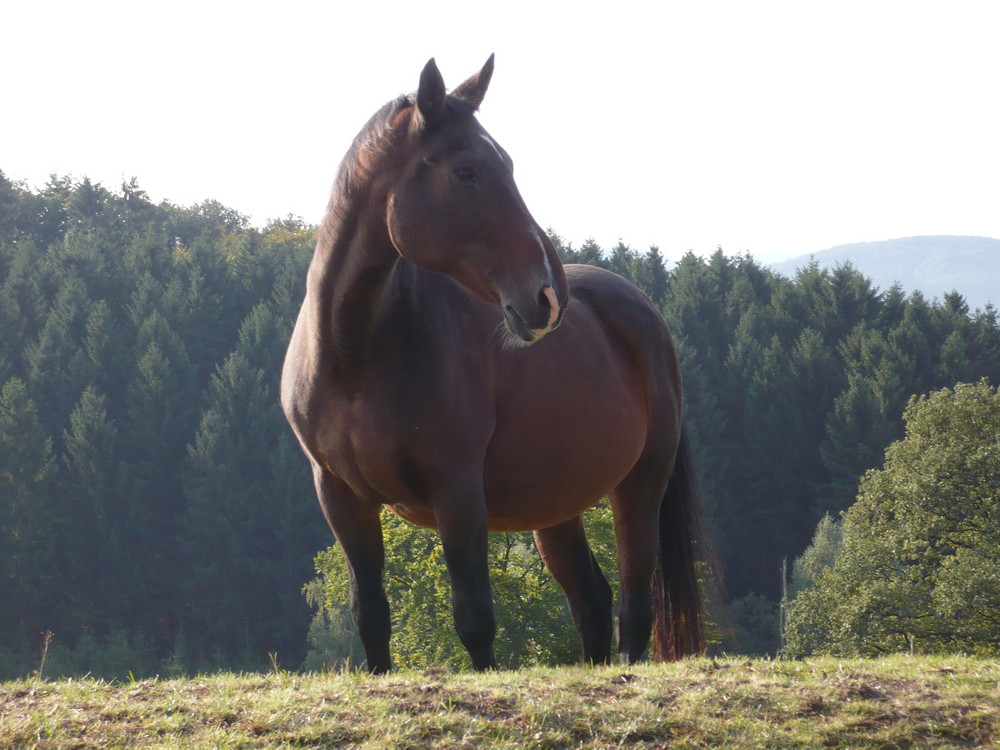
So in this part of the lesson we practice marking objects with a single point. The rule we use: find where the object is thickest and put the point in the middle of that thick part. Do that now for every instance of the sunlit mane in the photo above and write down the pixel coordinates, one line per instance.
(368, 145)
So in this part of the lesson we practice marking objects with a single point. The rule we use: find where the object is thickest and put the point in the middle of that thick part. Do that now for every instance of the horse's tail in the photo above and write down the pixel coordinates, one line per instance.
(678, 605)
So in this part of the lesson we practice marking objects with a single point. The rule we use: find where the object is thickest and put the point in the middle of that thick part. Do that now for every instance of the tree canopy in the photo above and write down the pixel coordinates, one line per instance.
(150, 506)
(919, 562)
(533, 627)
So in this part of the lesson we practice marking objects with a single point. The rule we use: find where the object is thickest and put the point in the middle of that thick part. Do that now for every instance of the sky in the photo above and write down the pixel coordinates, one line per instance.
(774, 128)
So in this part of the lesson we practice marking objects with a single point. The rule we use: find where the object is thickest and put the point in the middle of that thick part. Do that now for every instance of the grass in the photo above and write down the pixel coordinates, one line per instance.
(898, 702)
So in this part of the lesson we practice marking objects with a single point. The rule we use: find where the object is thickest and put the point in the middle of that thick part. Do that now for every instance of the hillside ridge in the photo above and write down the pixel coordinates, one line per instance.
(932, 264)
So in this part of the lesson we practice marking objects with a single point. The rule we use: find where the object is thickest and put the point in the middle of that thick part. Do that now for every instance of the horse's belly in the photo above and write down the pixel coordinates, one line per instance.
(539, 474)
(556, 465)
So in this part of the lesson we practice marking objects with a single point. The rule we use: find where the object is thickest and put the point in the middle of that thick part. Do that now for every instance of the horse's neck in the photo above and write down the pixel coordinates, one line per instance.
(349, 272)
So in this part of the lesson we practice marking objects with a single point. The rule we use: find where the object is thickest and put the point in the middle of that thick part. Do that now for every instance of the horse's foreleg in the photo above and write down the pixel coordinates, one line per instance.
(566, 554)
(461, 520)
(359, 533)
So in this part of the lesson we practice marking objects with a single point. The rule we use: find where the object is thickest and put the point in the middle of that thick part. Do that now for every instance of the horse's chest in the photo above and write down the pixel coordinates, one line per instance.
(384, 448)
(359, 445)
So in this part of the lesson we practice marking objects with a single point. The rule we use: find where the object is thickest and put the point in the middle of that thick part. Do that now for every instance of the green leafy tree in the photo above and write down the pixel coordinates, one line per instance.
(819, 556)
(533, 624)
(921, 546)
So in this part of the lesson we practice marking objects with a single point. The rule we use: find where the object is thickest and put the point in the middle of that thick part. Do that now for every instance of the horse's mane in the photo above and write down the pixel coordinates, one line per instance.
(371, 141)
(355, 167)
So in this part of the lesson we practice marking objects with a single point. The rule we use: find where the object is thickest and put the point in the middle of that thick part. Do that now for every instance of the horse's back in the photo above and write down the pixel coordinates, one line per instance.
(618, 302)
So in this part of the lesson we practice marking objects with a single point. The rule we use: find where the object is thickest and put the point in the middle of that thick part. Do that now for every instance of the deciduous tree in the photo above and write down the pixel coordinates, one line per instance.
(921, 546)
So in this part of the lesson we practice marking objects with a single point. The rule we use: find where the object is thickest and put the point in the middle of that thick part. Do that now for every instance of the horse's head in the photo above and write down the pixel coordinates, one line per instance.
(454, 208)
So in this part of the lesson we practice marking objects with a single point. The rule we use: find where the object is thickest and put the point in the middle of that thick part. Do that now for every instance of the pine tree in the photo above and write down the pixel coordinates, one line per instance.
(91, 484)
(157, 417)
(32, 518)
(107, 359)
(252, 524)
(54, 361)
(651, 275)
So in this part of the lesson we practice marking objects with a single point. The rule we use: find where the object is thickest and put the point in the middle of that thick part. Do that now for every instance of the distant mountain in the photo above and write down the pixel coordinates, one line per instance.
(934, 265)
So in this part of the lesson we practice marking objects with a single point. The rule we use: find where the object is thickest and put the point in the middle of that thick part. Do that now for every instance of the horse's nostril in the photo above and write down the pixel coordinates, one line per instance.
(543, 298)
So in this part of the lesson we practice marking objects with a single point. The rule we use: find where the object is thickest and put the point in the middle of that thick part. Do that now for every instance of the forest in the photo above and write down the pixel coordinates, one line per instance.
(157, 516)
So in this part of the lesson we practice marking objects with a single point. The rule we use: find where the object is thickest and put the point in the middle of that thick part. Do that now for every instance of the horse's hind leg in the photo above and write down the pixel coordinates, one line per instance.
(567, 556)
(358, 529)
(636, 503)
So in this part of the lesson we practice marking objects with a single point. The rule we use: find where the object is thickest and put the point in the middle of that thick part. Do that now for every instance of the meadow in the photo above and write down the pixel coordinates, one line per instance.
(898, 702)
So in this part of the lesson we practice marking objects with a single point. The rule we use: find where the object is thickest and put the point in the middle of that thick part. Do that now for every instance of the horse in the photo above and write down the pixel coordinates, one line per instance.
(446, 365)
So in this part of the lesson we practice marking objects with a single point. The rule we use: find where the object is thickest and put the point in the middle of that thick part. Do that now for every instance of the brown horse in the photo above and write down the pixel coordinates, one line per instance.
(425, 373)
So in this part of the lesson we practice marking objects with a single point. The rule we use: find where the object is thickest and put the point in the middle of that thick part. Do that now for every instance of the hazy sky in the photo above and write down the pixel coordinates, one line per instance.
(777, 128)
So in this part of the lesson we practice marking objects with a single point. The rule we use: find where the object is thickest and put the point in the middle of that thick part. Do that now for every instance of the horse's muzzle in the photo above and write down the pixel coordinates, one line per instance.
(544, 318)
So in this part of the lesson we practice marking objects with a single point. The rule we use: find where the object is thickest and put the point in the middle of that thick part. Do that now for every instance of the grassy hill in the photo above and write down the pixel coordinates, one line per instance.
(898, 702)
(935, 265)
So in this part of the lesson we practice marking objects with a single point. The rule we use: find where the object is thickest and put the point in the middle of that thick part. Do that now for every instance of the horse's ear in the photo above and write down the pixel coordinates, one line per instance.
(474, 88)
(430, 95)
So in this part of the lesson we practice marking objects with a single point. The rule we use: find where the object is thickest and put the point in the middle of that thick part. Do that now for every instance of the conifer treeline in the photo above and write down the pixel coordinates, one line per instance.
(156, 515)
(154, 511)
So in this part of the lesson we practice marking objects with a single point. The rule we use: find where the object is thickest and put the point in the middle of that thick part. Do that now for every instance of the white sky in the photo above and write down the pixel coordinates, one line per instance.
(778, 128)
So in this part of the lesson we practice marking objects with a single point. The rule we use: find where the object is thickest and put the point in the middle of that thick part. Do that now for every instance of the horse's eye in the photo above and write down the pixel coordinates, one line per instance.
(465, 174)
